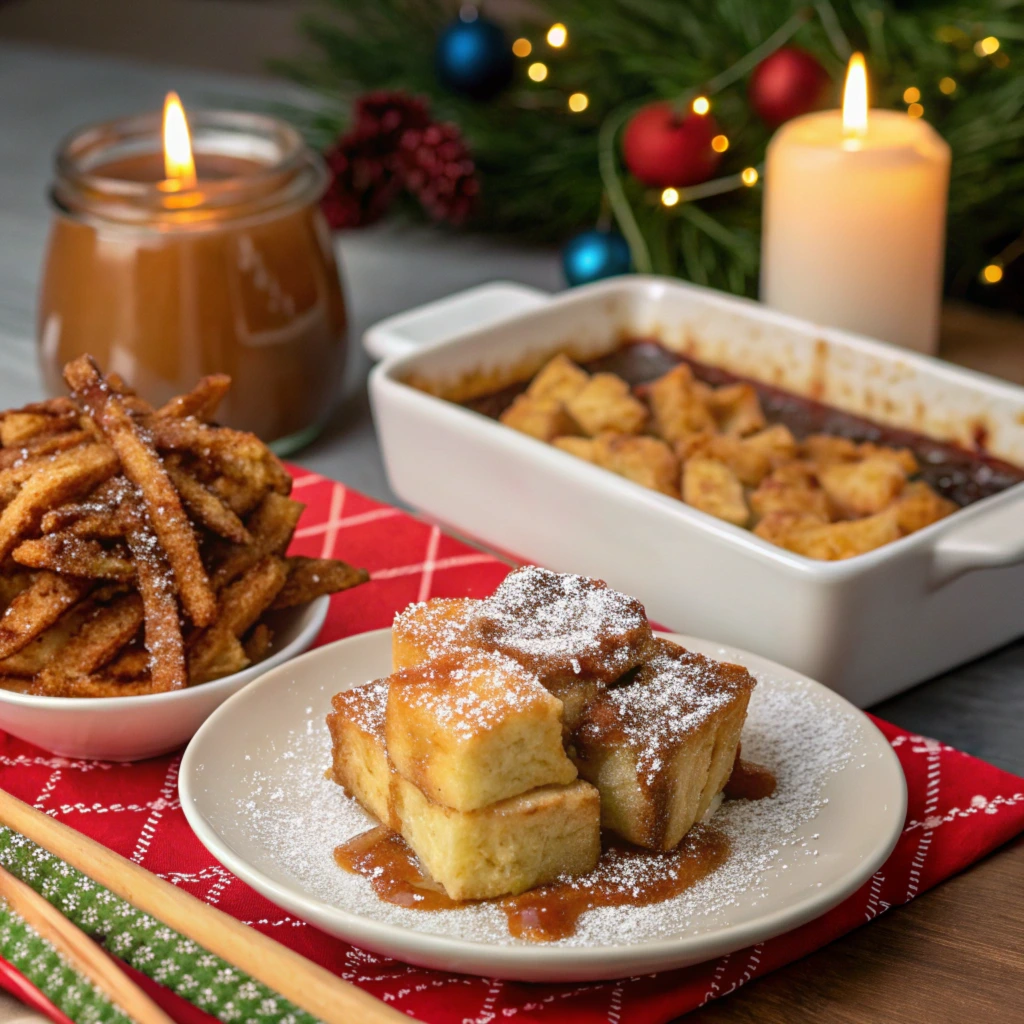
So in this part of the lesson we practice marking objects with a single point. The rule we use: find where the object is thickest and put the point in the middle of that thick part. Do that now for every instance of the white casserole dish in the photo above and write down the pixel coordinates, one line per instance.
(868, 627)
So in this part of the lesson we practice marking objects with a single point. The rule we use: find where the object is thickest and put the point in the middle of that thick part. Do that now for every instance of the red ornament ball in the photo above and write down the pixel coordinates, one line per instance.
(662, 147)
(787, 84)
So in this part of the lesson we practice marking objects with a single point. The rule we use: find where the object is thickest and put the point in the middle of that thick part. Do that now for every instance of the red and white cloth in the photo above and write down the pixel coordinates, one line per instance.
(959, 810)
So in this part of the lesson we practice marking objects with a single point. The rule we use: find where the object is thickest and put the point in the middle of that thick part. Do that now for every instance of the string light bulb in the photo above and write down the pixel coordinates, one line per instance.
(522, 47)
(537, 71)
(720, 143)
(578, 101)
(987, 46)
(912, 94)
(670, 197)
(915, 110)
(701, 105)
(992, 273)
(558, 35)
(749, 176)
(947, 86)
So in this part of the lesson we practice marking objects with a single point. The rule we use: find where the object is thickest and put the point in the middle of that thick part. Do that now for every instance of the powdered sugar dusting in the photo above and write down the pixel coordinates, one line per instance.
(298, 817)
(564, 623)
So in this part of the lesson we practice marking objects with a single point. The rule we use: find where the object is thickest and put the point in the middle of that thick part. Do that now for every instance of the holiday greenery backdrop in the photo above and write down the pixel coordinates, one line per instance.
(652, 116)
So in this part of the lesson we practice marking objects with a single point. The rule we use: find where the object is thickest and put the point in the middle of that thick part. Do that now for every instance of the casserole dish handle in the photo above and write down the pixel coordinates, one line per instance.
(991, 541)
(483, 306)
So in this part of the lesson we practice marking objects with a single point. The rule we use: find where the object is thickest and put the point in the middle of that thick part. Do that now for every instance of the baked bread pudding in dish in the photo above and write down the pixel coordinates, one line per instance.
(519, 731)
(802, 475)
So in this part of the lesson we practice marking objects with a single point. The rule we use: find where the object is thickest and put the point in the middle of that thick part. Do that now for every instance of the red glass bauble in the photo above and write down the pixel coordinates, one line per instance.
(663, 148)
(787, 84)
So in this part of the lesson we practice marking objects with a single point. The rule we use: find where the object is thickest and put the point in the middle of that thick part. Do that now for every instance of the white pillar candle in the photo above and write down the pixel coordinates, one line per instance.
(854, 221)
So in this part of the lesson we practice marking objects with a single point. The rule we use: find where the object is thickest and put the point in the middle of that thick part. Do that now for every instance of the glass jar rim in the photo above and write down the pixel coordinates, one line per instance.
(281, 171)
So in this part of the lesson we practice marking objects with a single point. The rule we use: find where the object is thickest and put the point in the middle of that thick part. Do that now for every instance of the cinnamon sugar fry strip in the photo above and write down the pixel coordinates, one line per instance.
(35, 656)
(309, 578)
(13, 460)
(163, 638)
(271, 527)
(100, 685)
(37, 608)
(73, 556)
(206, 508)
(143, 467)
(59, 480)
(97, 642)
(241, 605)
(201, 401)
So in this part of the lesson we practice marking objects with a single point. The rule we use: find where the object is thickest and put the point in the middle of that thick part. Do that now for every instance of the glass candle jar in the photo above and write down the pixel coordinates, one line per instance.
(233, 273)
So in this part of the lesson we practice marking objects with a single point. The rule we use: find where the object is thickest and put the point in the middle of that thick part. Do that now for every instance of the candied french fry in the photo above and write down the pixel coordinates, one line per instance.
(34, 451)
(143, 467)
(258, 643)
(131, 663)
(11, 585)
(74, 556)
(56, 481)
(271, 527)
(37, 608)
(103, 685)
(206, 507)
(241, 604)
(155, 582)
(201, 401)
(309, 578)
(240, 455)
(97, 642)
(35, 656)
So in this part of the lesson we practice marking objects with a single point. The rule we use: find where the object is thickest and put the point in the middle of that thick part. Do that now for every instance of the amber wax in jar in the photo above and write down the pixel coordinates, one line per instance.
(169, 266)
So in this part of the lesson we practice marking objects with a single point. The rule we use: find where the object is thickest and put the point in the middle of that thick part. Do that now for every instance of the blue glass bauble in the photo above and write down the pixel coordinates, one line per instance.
(594, 255)
(473, 57)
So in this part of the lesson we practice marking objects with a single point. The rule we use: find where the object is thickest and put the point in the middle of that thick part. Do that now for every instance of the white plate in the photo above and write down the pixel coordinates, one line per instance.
(252, 787)
(133, 728)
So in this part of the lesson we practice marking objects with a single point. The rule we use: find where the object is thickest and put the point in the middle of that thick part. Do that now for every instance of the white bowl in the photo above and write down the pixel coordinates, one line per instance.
(133, 728)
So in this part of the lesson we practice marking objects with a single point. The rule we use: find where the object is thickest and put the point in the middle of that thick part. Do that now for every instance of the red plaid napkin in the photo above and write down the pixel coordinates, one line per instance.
(959, 810)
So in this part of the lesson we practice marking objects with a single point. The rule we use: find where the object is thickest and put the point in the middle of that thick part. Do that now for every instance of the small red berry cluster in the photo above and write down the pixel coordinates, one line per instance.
(392, 147)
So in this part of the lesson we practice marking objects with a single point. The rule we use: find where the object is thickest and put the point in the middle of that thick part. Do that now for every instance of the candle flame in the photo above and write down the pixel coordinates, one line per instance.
(179, 166)
(855, 99)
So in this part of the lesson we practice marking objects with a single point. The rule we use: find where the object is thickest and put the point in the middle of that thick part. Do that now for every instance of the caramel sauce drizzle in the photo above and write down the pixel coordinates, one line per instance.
(552, 911)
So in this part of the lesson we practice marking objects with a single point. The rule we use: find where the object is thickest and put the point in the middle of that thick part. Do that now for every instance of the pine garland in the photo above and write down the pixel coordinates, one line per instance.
(539, 163)
(146, 944)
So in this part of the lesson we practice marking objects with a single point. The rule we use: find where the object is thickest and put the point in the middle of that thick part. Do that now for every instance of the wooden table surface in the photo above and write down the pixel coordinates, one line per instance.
(954, 954)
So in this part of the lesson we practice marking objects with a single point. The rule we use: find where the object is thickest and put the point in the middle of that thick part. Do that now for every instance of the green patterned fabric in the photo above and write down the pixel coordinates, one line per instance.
(23, 947)
(149, 946)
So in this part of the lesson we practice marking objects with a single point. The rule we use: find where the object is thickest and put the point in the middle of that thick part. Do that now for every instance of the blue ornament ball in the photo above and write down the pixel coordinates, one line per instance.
(473, 56)
(594, 255)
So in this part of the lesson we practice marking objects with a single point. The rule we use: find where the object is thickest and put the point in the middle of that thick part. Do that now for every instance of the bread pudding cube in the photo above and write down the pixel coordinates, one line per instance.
(836, 541)
(542, 418)
(714, 488)
(428, 629)
(582, 447)
(678, 405)
(792, 487)
(606, 403)
(751, 458)
(360, 764)
(919, 506)
(862, 488)
(508, 847)
(472, 729)
(559, 625)
(647, 461)
(737, 409)
(559, 379)
(660, 748)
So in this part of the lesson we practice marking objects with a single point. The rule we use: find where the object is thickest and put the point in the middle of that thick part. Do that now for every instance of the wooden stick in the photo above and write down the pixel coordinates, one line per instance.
(307, 985)
(80, 951)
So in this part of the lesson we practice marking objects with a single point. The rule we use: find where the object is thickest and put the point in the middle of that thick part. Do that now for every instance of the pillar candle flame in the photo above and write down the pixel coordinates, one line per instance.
(179, 167)
(855, 99)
